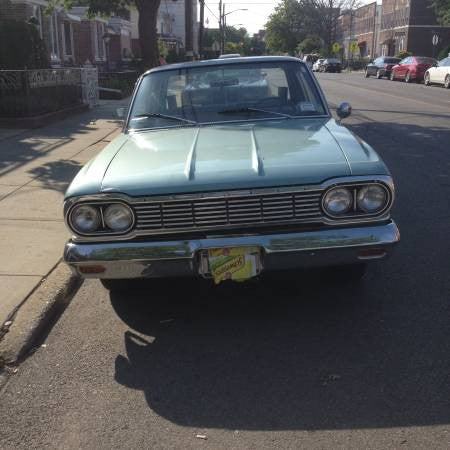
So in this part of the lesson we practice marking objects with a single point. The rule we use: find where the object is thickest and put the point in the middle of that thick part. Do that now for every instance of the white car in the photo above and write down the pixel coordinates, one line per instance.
(439, 74)
(317, 64)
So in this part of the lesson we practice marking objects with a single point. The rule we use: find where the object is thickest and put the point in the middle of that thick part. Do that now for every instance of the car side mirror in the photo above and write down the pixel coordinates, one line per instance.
(344, 110)
(120, 112)
(434, 64)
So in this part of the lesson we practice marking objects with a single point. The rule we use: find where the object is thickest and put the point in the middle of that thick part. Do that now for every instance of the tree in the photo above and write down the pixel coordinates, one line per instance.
(148, 13)
(442, 9)
(312, 44)
(294, 20)
(284, 28)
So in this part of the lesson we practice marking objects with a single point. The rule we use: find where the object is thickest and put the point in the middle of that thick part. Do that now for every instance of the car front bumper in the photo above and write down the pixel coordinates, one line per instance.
(329, 247)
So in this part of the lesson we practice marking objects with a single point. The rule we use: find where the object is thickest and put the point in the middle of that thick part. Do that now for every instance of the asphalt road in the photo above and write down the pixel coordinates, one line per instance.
(294, 361)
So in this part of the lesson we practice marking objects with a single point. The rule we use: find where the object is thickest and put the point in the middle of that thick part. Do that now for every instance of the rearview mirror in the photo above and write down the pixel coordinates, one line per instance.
(344, 110)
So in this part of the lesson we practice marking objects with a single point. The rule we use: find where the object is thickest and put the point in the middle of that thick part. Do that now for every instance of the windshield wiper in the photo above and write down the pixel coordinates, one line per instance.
(163, 116)
(248, 110)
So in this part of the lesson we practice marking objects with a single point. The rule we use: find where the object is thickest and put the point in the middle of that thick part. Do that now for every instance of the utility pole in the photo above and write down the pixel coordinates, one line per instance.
(224, 27)
(221, 26)
(201, 28)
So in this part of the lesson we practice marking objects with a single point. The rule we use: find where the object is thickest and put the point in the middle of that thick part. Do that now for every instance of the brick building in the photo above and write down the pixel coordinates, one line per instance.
(409, 25)
(391, 27)
(364, 29)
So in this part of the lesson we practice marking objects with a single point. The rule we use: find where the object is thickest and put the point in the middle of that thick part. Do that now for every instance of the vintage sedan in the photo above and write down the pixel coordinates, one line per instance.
(221, 179)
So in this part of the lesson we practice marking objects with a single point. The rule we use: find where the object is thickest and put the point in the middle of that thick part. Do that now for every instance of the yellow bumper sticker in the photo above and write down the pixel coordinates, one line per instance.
(236, 263)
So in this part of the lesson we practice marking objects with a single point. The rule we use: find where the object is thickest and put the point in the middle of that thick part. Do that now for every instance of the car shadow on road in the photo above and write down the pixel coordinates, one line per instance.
(293, 351)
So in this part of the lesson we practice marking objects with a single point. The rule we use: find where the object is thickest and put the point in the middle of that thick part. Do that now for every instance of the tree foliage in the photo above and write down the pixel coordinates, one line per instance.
(148, 13)
(312, 44)
(442, 8)
(295, 20)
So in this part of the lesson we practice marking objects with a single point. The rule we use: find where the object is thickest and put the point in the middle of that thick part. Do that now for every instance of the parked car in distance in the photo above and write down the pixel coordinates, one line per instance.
(381, 67)
(229, 55)
(331, 65)
(310, 59)
(316, 66)
(225, 180)
(412, 68)
(439, 73)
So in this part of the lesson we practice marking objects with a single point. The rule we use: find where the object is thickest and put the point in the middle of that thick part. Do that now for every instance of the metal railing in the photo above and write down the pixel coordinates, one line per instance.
(26, 93)
(120, 81)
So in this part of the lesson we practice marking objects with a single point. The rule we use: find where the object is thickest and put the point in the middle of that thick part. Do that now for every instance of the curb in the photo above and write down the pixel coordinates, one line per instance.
(36, 316)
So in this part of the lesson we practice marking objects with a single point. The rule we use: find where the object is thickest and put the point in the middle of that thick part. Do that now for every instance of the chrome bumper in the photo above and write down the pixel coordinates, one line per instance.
(186, 258)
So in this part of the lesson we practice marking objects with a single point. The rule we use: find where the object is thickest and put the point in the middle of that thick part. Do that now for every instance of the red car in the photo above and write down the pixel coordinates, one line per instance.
(412, 68)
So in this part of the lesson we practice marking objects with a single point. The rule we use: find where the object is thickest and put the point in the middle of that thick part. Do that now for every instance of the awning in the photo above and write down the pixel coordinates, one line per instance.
(72, 17)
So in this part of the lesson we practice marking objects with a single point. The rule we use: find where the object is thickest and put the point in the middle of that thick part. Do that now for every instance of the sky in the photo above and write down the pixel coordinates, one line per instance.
(253, 19)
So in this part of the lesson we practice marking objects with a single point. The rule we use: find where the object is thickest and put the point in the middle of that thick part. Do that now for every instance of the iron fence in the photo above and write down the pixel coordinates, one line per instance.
(27, 93)
(120, 81)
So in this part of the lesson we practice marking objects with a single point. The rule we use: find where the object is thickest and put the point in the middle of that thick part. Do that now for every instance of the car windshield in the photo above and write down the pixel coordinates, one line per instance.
(425, 60)
(228, 92)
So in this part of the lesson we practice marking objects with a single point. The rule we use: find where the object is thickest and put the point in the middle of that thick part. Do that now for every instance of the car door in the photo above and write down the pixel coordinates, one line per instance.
(377, 64)
(401, 68)
(442, 70)
(407, 66)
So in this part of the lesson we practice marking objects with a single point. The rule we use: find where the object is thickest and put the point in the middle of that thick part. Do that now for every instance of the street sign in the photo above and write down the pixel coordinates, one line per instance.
(435, 40)
(336, 48)
(354, 47)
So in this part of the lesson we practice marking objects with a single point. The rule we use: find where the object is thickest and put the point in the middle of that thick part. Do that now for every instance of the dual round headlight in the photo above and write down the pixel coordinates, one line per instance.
(116, 218)
(370, 199)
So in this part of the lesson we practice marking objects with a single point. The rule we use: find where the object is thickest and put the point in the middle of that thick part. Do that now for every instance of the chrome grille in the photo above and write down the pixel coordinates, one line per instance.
(228, 211)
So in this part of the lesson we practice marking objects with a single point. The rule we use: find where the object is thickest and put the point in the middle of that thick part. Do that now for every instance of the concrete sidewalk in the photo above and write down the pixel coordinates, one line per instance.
(36, 166)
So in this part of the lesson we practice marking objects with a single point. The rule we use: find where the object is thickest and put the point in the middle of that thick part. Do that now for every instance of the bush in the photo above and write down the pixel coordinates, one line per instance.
(403, 54)
(25, 48)
(444, 53)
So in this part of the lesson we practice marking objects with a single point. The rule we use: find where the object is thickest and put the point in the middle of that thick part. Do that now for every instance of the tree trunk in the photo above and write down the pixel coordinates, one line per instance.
(148, 38)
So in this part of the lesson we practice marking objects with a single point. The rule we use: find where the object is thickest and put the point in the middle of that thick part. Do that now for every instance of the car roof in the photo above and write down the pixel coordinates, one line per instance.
(224, 61)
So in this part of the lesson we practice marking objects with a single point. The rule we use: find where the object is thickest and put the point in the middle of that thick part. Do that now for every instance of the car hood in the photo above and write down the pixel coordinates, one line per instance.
(225, 157)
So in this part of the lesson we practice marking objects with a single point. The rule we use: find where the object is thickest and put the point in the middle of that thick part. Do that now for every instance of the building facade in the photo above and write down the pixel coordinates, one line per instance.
(58, 30)
(409, 25)
(364, 28)
(391, 27)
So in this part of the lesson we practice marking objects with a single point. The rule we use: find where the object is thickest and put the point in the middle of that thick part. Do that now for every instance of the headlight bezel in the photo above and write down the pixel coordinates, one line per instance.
(103, 229)
(355, 211)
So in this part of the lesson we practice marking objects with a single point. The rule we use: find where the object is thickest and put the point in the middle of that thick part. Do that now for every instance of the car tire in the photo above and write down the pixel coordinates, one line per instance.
(447, 82)
(392, 77)
(351, 273)
(379, 76)
(367, 74)
(426, 79)
(117, 285)
(408, 77)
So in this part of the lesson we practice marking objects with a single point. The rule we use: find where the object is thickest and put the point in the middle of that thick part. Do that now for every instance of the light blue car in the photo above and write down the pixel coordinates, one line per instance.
(227, 178)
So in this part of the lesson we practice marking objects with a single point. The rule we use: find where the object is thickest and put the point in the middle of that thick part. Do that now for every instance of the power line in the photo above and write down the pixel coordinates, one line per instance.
(209, 9)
